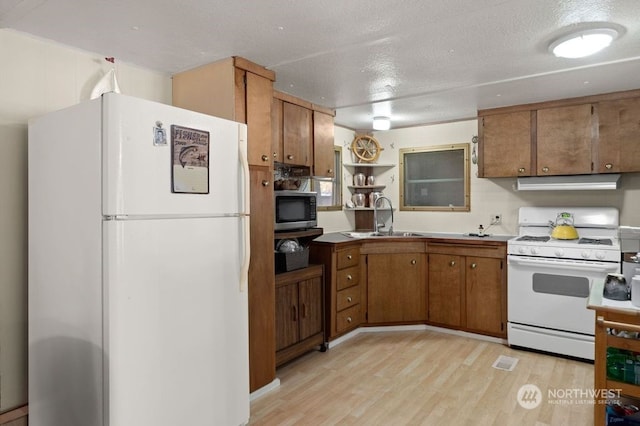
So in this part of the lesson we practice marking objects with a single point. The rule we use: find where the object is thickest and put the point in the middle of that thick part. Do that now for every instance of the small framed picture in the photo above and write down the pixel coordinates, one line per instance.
(189, 160)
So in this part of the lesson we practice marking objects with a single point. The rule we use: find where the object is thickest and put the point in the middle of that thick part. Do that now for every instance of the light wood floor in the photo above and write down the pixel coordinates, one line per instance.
(421, 378)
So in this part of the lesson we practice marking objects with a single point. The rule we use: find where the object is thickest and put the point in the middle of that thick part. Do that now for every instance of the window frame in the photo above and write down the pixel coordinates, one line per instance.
(465, 178)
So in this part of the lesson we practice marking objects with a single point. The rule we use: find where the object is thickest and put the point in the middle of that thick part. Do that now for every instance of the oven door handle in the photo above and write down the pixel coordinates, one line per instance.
(600, 266)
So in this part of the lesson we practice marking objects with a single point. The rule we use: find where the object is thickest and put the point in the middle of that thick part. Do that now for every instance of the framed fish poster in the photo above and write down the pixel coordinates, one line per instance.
(189, 160)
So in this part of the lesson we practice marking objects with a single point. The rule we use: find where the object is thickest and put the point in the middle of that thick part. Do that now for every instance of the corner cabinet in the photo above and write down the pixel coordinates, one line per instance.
(364, 215)
(467, 286)
(396, 287)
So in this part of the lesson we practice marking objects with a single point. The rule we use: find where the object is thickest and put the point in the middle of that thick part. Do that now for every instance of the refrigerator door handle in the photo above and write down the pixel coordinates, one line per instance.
(242, 148)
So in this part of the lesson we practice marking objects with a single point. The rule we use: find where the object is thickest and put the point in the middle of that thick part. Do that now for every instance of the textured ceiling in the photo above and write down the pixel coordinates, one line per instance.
(419, 61)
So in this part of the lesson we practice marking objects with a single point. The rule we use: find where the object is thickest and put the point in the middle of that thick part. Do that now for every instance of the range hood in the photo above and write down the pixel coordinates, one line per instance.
(568, 183)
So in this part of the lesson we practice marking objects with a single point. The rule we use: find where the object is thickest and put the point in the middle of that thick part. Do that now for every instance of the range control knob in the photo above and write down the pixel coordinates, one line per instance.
(586, 254)
(534, 250)
(600, 255)
(522, 250)
(559, 252)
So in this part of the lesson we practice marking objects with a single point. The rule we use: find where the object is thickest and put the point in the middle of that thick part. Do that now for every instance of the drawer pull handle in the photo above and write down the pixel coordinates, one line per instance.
(349, 320)
(473, 266)
(330, 171)
(265, 158)
(608, 166)
(521, 170)
(294, 313)
(289, 157)
(275, 154)
(349, 257)
(545, 169)
(413, 261)
(349, 277)
(452, 263)
(349, 299)
(265, 183)
(617, 325)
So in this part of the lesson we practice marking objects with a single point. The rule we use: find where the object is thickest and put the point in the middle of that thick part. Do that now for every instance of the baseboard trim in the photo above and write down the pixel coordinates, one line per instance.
(265, 389)
(414, 327)
(14, 414)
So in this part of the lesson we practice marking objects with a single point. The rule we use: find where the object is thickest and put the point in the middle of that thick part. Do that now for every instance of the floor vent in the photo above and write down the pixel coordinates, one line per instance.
(505, 363)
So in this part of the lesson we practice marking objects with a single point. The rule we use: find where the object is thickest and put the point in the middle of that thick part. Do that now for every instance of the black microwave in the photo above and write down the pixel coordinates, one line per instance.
(295, 210)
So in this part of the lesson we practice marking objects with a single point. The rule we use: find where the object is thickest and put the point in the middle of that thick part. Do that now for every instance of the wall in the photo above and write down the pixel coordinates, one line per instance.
(488, 196)
(36, 77)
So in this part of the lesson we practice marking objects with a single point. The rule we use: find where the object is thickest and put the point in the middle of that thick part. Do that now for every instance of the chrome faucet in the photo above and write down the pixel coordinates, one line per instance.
(376, 226)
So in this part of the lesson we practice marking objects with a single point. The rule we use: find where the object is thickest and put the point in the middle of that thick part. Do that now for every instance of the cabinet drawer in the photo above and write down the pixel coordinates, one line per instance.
(347, 298)
(347, 277)
(348, 257)
(349, 318)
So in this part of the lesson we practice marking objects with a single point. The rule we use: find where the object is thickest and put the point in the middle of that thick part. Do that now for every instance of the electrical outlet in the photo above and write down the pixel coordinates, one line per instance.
(496, 219)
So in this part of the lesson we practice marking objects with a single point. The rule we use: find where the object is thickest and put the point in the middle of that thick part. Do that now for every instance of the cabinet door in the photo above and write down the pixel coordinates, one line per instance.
(505, 145)
(310, 307)
(276, 130)
(396, 288)
(619, 136)
(259, 93)
(287, 328)
(261, 287)
(323, 135)
(484, 294)
(564, 140)
(446, 274)
(297, 134)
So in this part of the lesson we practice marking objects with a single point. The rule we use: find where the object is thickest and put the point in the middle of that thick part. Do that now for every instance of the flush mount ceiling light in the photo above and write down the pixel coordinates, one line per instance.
(381, 123)
(583, 43)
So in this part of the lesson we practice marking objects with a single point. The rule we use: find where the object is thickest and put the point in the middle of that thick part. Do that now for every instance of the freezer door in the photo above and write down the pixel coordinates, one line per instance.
(139, 170)
(176, 323)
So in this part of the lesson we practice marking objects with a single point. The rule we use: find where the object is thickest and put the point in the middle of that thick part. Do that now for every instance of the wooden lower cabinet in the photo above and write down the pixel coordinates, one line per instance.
(344, 293)
(467, 287)
(396, 287)
(445, 296)
(299, 312)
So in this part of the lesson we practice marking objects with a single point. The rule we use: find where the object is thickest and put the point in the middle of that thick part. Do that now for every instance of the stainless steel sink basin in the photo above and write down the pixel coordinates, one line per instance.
(354, 234)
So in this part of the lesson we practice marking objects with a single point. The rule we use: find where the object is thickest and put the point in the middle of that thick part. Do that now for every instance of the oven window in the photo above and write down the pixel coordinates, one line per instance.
(561, 285)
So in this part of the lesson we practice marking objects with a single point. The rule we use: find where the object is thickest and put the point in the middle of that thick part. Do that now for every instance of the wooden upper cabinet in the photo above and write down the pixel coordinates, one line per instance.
(564, 140)
(297, 134)
(505, 145)
(323, 137)
(235, 89)
(259, 92)
(277, 142)
(619, 135)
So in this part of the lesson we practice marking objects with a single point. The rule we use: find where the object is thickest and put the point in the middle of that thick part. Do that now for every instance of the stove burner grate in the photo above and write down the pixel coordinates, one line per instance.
(597, 241)
(534, 238)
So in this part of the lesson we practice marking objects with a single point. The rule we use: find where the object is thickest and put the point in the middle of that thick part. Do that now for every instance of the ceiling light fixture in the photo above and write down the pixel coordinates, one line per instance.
(381, 123)
(583, 43)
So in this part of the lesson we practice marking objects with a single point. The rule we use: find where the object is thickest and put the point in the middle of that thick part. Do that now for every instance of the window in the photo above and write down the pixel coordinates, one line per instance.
(435, 178)
(330, 190)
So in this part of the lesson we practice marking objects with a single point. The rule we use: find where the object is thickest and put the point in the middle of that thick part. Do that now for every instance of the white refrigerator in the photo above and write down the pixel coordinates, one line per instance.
(138, 260)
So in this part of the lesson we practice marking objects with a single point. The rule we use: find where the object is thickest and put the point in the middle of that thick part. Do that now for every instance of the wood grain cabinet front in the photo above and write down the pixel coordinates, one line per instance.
(592, 134)
(299, 312)
(467, 287)
(343, 286)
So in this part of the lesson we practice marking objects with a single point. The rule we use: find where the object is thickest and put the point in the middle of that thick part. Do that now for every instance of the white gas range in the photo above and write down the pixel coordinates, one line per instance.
(549, 279)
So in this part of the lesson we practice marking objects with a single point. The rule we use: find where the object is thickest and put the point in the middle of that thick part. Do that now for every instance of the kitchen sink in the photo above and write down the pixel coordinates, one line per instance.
(354, 234)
